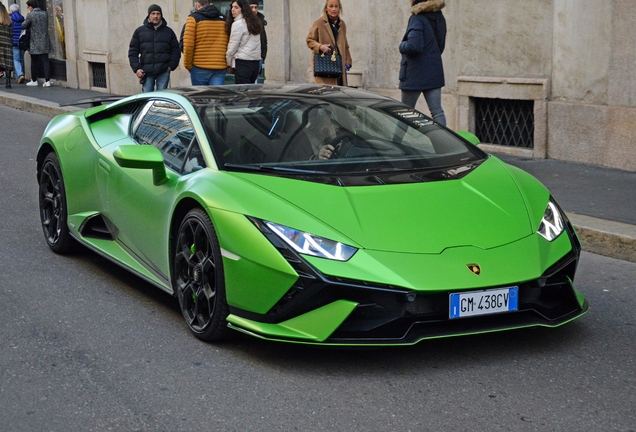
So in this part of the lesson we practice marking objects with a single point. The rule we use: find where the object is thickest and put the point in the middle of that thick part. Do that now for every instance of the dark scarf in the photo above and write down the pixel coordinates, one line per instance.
(335, 26)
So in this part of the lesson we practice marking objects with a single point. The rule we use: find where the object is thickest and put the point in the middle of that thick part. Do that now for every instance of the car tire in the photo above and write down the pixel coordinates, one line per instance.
(53, 210)
(198, 278)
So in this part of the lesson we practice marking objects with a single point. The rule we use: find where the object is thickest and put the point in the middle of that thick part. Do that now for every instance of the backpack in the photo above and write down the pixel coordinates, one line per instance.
(24, 40)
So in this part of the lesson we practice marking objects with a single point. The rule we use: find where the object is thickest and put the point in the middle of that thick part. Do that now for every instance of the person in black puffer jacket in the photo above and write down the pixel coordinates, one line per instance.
(421, 69)
(154, 51)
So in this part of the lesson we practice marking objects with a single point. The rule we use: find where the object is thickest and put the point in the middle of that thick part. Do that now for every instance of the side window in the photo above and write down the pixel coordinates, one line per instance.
(166, 126)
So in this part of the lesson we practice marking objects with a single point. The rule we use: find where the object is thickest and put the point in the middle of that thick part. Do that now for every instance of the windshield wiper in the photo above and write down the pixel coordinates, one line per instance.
(271, 169)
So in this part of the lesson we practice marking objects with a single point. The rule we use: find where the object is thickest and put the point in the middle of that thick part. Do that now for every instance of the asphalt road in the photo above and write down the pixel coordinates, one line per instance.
(87, 346)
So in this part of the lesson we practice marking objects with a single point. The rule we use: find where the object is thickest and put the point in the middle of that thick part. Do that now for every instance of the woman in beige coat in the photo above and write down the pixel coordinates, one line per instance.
(327, 32)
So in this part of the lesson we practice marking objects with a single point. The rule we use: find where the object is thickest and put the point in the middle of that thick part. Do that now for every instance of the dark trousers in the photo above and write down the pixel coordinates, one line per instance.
(246, 71)
(36, 60)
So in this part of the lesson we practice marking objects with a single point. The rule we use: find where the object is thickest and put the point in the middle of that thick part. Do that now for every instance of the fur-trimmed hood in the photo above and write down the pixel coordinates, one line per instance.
(428, 6)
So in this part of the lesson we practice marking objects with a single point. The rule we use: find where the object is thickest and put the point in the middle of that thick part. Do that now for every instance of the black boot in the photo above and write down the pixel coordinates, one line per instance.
(7, 74)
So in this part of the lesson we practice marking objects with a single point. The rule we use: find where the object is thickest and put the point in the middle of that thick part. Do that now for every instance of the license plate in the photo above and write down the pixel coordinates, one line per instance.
(484, 302)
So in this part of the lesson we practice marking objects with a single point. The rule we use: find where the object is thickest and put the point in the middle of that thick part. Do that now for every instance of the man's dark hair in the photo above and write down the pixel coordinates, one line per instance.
(204, 2)
(32, 3)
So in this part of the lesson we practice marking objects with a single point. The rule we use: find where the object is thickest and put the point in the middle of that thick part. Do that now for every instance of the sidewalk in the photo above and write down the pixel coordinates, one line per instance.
(600, 202)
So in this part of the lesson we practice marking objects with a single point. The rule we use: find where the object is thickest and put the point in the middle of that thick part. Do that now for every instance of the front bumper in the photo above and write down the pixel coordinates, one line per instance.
(365, 315)
(331, 310)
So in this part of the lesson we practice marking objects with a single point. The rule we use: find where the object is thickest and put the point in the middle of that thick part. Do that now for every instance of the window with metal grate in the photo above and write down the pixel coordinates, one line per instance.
(98, 75)
(505, 122)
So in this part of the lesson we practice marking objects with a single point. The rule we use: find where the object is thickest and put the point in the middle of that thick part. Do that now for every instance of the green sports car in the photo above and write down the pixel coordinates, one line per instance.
(308, 214)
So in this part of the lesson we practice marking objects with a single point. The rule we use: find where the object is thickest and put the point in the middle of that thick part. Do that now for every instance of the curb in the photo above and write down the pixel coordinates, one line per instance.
(612, 239)
(34, 105)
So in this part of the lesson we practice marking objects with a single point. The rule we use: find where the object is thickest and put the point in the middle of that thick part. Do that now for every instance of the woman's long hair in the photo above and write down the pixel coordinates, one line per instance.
(5, 19)
(254, 26)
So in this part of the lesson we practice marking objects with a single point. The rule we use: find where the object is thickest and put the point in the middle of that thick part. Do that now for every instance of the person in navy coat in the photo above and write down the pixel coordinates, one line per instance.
(421, 69)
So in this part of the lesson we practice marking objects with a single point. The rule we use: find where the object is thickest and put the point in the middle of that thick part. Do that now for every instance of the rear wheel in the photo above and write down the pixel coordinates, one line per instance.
(53, 210)
(198, 277)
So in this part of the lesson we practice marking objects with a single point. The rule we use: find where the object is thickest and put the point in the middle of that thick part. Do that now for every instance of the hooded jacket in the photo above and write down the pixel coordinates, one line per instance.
(16, 20)
(154, 50)
(204, 39)
(421, 67)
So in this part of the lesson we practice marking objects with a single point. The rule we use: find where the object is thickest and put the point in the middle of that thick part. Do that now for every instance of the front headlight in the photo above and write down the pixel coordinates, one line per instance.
(309, 244)
(552, 224)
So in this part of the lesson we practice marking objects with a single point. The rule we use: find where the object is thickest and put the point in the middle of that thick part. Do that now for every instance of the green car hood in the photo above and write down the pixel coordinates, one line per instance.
(485, 209)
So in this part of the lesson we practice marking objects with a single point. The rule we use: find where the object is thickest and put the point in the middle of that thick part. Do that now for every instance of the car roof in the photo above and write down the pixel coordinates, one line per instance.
(203, 95)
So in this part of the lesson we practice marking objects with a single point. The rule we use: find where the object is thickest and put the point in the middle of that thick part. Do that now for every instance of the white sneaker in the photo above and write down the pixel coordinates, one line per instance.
(46, 84)
(32, 83)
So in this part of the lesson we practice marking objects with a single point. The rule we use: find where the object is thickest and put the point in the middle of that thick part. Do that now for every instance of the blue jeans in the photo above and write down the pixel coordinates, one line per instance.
(18, 62)
(433, 100)
(200, 76)
(160, 80)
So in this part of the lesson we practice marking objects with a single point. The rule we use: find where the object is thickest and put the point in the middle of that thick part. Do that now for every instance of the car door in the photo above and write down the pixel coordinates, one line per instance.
(140, 209)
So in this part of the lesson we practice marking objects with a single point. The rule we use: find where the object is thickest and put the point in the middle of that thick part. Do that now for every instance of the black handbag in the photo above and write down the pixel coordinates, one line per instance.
(24, 40)
(328, 65)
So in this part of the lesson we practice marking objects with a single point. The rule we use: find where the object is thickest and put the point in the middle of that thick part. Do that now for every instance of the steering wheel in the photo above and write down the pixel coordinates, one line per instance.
(342, 144)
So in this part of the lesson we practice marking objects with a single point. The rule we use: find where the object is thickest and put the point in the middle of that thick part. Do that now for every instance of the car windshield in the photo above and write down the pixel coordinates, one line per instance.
(336, 136)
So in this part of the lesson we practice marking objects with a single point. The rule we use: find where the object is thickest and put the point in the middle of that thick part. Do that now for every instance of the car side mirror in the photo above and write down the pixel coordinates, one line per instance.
(469, 136)
(142, 157)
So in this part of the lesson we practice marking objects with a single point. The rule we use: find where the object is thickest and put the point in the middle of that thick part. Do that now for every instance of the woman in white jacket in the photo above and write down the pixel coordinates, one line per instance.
(244, 48)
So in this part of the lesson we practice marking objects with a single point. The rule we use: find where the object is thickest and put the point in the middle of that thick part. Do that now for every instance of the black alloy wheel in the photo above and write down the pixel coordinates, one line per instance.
(53, 210)
(198, 277)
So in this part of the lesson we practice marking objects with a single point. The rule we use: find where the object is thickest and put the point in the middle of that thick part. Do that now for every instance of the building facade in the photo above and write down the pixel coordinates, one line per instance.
(549, 78)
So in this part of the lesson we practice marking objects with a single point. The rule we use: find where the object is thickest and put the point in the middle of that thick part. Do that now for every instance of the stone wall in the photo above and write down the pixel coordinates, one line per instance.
(573, 58)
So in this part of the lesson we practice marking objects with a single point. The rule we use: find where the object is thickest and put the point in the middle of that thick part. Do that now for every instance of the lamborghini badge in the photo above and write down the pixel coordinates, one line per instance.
(474, 268)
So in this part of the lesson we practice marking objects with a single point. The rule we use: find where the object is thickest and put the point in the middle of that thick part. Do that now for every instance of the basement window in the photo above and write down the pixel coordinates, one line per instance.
(505, 122)
(98, 74)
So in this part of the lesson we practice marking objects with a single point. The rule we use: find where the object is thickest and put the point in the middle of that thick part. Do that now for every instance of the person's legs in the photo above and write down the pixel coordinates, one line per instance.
(410, 97)
(260, 69)
(246, 71)
(149, 84)
(200, 76)
(44, 58)
(18, 62)
(434, 102)
(256, 68)
(35, 63)
(7, 76)
(162, 80)
(217, 77)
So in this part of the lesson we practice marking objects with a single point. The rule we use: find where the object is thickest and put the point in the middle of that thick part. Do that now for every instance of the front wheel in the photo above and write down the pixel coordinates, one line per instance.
(198, 277)
(53, 210)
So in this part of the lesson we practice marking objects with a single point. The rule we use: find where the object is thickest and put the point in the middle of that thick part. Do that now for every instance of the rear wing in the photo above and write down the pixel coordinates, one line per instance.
(94, 101)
